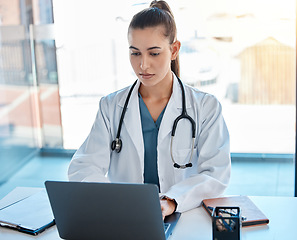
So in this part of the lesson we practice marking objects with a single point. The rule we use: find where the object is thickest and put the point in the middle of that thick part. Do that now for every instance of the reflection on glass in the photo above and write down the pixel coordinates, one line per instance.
(18, 124)
(44, 48)
(47, 77)
(29, 96)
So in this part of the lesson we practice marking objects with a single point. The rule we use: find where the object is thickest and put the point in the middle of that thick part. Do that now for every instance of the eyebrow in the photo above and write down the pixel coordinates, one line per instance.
(151, 48)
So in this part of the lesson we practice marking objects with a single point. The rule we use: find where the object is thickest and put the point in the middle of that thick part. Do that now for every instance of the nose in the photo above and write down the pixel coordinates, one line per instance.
(144, 64)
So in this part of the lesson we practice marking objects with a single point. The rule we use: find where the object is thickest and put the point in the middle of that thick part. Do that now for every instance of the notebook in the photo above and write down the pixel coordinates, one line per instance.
(31, 214)
(108, 211)
(250, 213)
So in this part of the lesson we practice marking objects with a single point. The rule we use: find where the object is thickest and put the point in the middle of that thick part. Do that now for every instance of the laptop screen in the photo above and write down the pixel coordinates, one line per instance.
(107, 210)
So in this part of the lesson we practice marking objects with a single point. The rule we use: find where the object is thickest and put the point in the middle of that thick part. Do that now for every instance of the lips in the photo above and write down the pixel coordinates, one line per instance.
(146, 75)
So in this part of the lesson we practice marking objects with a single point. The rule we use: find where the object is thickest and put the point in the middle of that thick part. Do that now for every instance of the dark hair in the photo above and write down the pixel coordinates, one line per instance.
(159, 13)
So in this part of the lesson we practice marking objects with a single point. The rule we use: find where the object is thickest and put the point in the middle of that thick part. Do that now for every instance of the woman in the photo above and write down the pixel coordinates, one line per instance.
(146, 155)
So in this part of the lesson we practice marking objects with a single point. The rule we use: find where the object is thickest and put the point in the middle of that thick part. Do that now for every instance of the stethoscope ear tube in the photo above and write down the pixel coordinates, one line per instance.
(186, 116)
(117, 143)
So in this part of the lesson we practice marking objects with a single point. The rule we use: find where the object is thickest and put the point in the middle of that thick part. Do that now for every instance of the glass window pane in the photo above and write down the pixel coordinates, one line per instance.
(243, 52)
(18, 122)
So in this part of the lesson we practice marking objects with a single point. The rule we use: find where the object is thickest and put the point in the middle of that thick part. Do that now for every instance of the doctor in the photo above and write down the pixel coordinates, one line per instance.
(146, 154)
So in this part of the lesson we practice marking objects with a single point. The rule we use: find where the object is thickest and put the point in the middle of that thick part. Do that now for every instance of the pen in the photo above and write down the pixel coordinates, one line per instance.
(225, 211)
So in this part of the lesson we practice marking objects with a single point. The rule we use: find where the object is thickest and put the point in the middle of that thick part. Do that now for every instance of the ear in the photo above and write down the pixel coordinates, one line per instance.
(175, 49)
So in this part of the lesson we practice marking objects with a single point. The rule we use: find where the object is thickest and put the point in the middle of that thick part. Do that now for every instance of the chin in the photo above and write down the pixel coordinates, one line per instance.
(147, 83)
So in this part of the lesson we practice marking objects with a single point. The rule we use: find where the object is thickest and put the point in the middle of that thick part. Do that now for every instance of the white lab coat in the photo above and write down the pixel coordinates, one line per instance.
(95, 162)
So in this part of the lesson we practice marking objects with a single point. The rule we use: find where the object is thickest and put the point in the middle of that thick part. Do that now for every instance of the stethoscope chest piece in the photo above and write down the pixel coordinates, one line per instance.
(116, 145)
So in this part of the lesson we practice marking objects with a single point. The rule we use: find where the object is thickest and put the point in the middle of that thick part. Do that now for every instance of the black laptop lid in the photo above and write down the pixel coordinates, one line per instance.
(106, 210)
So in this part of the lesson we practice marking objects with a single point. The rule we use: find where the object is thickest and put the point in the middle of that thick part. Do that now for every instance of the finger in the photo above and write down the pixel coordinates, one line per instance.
(163, 209)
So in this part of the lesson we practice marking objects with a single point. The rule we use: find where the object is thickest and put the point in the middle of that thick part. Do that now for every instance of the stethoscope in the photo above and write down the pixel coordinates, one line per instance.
(117, 143)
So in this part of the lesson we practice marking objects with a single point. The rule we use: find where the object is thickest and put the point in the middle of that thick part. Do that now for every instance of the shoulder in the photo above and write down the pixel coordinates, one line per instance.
(110, 105)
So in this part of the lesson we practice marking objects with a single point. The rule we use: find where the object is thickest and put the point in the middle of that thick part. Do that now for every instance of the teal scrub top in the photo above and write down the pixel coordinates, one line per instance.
(150, 131)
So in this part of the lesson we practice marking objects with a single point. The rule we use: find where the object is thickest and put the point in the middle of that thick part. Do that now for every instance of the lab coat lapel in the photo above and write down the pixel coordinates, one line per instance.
(173, 110)
(132, 121)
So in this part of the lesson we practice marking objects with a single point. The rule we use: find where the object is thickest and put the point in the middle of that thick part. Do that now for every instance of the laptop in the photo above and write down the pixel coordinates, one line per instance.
(108, 211)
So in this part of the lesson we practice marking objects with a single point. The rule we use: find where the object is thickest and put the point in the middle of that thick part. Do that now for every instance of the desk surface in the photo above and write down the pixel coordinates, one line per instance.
(196, 224)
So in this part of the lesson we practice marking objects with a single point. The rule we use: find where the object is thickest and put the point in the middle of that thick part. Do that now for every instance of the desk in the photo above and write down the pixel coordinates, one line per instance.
(196, 224)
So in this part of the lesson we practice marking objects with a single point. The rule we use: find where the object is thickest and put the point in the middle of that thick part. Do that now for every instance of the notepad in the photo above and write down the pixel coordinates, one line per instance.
(251, 214)
(31, 215)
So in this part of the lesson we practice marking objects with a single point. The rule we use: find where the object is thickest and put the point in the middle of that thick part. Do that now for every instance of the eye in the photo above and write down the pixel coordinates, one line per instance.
(135, 53)
(155, 54)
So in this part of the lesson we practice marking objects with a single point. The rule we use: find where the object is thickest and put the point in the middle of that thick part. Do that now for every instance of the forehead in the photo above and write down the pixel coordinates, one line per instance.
(148, 37)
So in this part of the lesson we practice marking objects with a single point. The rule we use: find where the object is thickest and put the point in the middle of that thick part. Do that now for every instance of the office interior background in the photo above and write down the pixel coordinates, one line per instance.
(59, 57)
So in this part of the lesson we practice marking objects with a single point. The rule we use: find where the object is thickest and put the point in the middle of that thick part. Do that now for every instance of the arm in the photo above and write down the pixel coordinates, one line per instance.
(212, 161)
(91, 161)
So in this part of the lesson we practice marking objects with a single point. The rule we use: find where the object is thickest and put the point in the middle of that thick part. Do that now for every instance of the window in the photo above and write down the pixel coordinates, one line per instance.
(243, 52)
